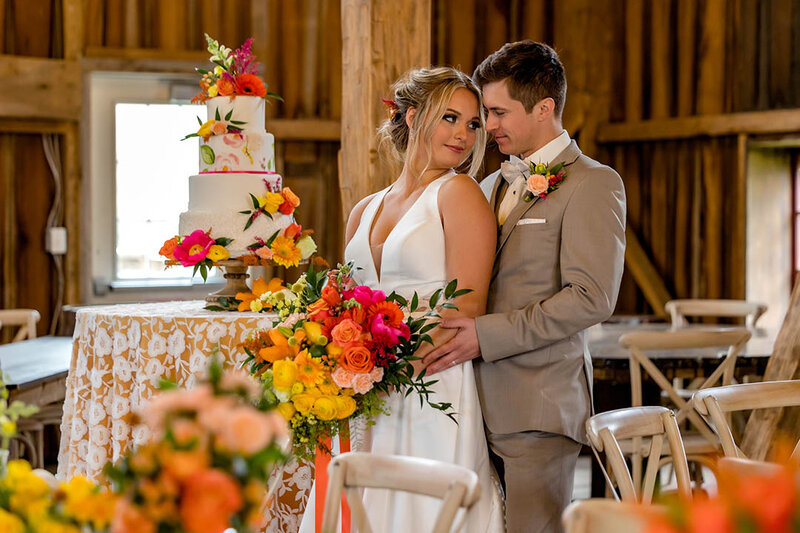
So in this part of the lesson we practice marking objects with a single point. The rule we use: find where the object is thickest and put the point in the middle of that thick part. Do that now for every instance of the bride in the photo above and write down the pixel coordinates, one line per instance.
(430, 226)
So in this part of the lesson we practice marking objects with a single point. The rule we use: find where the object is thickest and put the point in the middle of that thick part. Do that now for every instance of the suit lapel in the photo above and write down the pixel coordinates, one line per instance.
(569, 155)
(495, 188)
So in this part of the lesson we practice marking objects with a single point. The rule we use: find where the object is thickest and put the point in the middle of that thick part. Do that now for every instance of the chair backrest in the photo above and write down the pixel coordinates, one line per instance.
(734, 339)
(603, 515)
(606, 430)
(715, 402)
(679, 309)
(456, 485)
(25, 319)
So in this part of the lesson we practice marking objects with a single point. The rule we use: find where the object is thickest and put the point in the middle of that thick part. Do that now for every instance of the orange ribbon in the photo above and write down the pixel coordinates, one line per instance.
(321, 462)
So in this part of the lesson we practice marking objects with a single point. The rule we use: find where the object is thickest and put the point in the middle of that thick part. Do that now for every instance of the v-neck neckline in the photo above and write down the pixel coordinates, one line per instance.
(378, 270)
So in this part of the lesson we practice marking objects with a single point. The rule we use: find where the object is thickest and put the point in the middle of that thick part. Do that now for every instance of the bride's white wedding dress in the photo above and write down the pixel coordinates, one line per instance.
(413, 260)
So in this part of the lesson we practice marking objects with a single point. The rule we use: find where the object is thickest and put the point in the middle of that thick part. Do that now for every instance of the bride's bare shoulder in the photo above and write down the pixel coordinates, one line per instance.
(462, 192)
(355, 217)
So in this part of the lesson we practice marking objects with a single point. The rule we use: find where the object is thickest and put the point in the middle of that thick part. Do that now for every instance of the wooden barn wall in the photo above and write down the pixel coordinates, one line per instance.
(626, 61)
(629, 61)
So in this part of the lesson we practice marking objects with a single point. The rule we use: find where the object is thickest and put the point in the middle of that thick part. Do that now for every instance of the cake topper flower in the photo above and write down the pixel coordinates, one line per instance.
(235, 73)
(392, 106)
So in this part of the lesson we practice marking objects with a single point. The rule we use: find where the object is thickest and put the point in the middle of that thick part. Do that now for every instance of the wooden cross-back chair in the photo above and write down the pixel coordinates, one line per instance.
(701, 444)
(601, 515)
(678, 310)
(457, 486)
(606, 430)
(24, 319)
(715, 403)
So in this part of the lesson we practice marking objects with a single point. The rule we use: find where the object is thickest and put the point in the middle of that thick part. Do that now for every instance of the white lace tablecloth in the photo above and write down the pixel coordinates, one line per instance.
(119, 354)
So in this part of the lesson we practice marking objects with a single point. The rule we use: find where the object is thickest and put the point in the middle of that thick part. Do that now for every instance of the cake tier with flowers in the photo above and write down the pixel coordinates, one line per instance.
(236, 161)
(238, 206)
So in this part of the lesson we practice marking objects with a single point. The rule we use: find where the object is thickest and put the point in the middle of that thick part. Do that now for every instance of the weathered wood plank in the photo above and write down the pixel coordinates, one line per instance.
(210, 21)
(72, 213)
(634, 18)
(114, 27)
(459, 16)
(28, 19)
(291, 50)
(40, 88)
(73, 29)
(761, 429)
(711, 61)
(645, 274)
(93, 28)
(746, 55)
(682, 207)
(376, 51)
(780, 57)
(660, 71)
(738, 222)
(712, 219)
(753, 122)
(311, 57)
(8, 247)
(171, 25)
(687, 11)
(305, 129)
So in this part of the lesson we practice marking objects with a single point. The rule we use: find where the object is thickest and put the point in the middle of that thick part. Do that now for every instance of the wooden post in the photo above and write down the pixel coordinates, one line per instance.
(763, 425)
(72, 212)
(380, 41)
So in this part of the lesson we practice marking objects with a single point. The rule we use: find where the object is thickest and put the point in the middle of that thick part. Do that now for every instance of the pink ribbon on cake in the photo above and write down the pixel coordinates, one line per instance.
(237, 172)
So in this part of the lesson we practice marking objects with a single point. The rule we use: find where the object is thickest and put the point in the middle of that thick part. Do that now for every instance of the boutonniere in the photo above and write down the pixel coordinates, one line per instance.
(543, 180)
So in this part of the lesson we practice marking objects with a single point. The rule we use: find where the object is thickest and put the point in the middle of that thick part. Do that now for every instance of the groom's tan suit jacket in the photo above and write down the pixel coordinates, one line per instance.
(557, 271)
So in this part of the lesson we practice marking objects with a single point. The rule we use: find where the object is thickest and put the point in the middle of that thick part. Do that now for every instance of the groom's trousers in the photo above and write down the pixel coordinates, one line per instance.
(536, 470)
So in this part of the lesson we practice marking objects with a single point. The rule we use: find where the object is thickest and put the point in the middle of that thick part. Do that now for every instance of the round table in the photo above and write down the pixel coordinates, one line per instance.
(119, 355)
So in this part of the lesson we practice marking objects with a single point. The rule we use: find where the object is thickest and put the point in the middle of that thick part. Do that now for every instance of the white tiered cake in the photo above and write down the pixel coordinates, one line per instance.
(232, 167)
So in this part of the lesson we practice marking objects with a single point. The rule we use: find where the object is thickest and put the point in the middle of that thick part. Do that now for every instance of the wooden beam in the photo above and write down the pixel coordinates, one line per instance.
(761, 429)
(645, 274)
(380, 41)
(40, 88)
(73, 29)
(756, 122)
(72, 213)
(195, 57)
(19, 125)
(305, 129)
(634, 18)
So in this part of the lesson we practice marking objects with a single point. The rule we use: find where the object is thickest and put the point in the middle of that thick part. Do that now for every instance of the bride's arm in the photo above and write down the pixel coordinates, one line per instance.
(470, 235)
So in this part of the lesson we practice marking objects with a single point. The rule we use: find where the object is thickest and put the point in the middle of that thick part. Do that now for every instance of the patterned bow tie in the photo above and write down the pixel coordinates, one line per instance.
(513, 168)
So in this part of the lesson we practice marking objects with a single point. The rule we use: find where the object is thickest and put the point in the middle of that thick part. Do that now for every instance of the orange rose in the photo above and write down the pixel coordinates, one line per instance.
(169, 248)
(356, 358)
(290, 201)
(129, 518)
(320, 307)
(225, 87)
(537, 184)
(346, 332)
(219, 128)
(331, 296)
(209, 499)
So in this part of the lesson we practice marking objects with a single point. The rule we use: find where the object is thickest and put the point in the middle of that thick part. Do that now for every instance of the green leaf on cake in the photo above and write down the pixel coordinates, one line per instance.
(207, 154)
(216, 115)
(230, 113)
(199, 120)
(190, 136)
(249, 223)
(254, 200)
(238, 122)
(223, 241)
(271, 239)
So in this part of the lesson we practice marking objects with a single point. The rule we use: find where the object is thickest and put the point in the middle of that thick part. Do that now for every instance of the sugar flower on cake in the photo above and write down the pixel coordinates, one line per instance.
(235, 73)
(196, 250)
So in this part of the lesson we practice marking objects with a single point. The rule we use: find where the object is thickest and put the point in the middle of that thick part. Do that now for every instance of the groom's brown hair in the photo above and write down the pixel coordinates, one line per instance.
(532, 70)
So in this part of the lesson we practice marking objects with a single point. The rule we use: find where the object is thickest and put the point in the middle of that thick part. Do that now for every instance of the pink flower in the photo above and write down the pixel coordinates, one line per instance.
(366, 296)
(343, 378)
(362, 383)
(219, 128)
(376, 374)
(194, 248)
(386, 334)
(246, 431)
(234, 141)
(537, 184)
(291, 320)
(265, 252)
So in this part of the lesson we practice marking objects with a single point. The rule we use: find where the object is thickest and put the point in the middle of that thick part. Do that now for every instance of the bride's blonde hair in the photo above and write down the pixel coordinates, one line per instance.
(428, 90)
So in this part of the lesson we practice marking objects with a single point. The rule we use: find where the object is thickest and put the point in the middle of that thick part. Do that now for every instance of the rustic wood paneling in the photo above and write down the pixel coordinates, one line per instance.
(40, 88)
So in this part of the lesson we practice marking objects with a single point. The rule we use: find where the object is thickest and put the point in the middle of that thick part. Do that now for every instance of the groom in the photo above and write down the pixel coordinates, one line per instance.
(557, 271)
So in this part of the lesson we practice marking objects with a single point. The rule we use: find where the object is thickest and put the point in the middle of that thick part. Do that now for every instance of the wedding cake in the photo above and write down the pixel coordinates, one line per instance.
(238, 206)
(235, 163)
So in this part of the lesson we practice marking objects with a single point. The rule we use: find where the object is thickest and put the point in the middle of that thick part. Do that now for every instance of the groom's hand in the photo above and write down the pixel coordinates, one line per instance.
(460, 349)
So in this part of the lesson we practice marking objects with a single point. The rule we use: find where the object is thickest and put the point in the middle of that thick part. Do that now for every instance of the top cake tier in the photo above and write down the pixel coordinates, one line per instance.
(247, 109)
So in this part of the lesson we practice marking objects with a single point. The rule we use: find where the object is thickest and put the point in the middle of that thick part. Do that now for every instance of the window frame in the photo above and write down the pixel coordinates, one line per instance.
(106, 90)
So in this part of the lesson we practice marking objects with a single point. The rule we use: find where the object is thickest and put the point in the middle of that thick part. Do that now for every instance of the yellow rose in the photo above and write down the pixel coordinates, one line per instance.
(272, 201)
(10, 523)
(325, 408)
(314, 333)
(205, 129)
(287, 410)
(284, 374)
(345, 406)
(218, 253)
(303, 403)
(261, 200)
(213, 91)
(297, 388)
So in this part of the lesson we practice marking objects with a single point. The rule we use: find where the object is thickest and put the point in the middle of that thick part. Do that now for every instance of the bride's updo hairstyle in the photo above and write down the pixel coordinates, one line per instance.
(428, 90)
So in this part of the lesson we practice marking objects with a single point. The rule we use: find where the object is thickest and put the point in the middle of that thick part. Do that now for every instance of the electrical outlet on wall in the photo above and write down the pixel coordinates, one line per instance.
(55, 240)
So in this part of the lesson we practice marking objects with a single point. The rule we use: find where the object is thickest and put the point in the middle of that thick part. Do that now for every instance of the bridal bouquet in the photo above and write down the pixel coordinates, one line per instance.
(206, 465)
(337, 349)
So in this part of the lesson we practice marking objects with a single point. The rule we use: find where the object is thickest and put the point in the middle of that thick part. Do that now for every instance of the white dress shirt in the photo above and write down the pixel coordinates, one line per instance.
(515, 191)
